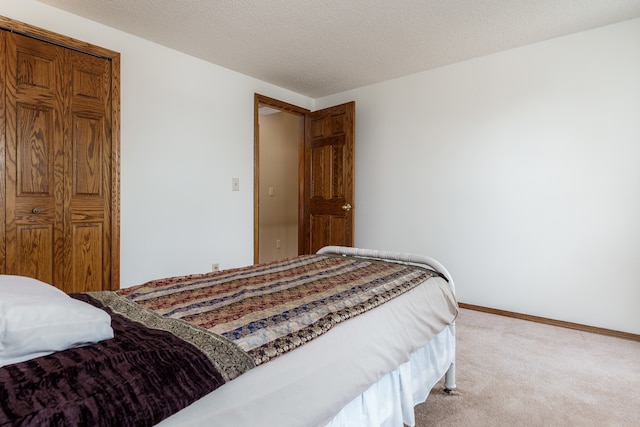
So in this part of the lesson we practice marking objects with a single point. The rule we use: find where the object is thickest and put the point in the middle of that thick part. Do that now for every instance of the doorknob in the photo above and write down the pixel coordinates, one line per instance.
(36, 211)
(347, 207)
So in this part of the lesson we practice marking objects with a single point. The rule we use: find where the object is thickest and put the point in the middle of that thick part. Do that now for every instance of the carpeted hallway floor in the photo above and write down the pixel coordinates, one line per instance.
(514, 372)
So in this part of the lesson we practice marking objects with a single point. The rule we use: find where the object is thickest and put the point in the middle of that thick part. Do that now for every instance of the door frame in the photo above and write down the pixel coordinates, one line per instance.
(260, 100)
(114, 58)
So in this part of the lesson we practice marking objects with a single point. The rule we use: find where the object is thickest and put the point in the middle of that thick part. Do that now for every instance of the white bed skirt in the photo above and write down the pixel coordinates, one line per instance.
(390, 402)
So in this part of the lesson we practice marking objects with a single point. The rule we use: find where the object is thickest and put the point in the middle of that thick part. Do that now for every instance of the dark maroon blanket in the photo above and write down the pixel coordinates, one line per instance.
(138, 378)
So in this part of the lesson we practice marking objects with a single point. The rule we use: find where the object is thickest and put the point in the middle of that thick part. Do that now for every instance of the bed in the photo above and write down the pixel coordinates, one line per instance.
(344, 337)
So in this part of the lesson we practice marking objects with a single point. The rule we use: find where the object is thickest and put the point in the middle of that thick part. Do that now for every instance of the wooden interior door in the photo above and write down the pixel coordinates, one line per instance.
(329, 178)
(58, 165)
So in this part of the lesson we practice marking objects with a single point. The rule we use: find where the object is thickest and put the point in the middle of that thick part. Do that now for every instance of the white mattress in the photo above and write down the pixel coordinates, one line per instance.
(312, 384)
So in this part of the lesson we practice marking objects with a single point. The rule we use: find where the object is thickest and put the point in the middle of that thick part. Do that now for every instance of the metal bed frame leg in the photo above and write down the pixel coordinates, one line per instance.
(450, 375)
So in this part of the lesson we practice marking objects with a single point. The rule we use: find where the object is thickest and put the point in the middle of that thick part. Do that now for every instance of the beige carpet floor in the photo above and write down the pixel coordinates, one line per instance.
(514, 372)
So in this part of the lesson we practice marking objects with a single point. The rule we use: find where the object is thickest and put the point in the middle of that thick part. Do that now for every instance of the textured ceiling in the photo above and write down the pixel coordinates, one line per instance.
(321, 47)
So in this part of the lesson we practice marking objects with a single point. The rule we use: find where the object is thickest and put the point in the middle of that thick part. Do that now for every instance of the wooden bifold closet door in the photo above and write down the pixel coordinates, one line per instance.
(58, 175)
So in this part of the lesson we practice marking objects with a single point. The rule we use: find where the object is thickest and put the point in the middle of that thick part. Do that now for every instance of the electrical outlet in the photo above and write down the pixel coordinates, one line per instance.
(215, 267)
(277, 244)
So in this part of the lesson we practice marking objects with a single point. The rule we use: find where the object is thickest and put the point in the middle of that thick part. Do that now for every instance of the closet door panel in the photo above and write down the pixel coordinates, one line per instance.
(89, 180)
(34, 160)
(36, 146)
(86, 257)
(87, 148)
(35, 244)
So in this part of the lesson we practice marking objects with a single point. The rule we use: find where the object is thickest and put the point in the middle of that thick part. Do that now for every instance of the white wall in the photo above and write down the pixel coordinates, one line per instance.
(187, 130)
(520, 171)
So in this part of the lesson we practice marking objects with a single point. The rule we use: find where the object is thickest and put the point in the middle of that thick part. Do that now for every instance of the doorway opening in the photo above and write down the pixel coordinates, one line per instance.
(279, 146)
(325, 188)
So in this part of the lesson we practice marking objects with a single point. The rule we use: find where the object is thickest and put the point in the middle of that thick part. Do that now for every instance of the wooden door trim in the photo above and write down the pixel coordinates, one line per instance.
(3, 193)
(289, 108)
(114, 57)
(55, 38)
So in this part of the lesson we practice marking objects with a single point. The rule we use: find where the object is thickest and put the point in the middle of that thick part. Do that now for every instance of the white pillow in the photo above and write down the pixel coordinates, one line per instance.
(37, 319)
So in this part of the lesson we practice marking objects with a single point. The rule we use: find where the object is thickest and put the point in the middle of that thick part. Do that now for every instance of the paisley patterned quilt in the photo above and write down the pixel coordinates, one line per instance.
(269, 309)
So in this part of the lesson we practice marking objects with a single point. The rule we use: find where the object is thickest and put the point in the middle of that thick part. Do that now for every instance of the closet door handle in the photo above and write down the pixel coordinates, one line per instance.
(36, 211)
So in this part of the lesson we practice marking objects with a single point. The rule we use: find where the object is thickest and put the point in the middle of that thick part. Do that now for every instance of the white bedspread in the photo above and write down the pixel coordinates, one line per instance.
(310, 385)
